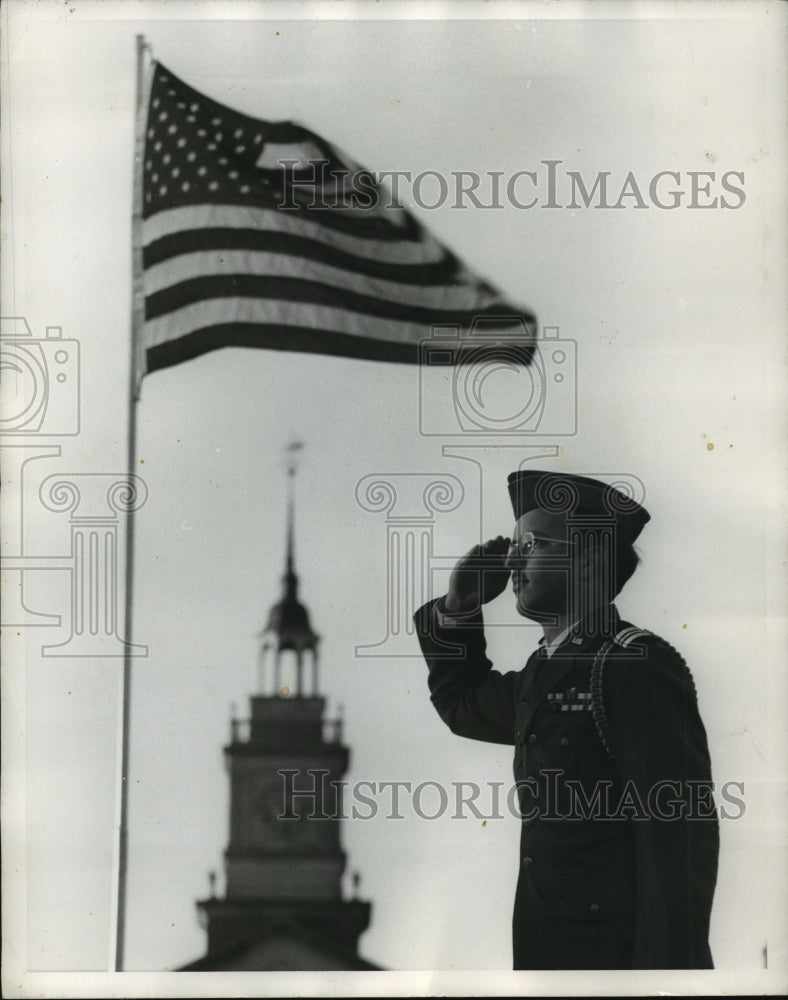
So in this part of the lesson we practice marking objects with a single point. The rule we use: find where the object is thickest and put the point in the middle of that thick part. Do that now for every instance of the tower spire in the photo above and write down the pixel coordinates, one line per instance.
(291, 580)
(288, 628)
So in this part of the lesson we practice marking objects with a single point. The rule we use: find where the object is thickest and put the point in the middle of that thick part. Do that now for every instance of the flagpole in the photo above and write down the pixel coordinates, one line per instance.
(120, 845)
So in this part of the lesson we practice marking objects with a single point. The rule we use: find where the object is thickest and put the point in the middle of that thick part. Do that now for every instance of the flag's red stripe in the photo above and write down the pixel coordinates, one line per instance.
(456, 295)
(302, 339)
(226, 238)
(185, 218)
(277, 338)
(354, 222)
(298, 290)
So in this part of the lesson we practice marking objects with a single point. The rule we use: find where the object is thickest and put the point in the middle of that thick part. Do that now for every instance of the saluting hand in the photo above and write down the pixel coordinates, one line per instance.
(479, 577)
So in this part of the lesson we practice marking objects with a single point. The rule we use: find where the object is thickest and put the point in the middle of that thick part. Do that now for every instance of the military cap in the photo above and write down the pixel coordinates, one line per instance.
(560, 492)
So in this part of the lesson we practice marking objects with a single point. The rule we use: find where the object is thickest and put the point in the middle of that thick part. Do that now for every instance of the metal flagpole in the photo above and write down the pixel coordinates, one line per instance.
(120, 846)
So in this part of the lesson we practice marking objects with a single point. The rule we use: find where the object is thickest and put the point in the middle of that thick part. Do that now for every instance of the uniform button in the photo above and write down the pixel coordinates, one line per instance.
(564, 741)
(594, 907)
(533, 738)
(517, 735)
(527, 862)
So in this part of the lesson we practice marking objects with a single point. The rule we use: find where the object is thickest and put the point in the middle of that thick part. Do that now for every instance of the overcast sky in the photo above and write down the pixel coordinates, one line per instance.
(676, 316)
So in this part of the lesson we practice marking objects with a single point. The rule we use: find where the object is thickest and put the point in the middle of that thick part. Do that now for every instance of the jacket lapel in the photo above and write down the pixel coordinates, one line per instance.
(535, 664)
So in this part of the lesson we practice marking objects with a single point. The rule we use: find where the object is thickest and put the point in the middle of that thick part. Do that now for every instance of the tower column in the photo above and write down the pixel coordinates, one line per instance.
(299, 674)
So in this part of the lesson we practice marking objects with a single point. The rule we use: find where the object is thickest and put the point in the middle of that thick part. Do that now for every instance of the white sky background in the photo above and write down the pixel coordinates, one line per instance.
(677, 316)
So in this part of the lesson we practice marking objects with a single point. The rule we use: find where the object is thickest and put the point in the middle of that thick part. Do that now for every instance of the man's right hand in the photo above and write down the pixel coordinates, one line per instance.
(479, 577)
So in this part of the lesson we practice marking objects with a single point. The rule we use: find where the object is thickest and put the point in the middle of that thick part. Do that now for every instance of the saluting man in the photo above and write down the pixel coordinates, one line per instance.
(619, 832)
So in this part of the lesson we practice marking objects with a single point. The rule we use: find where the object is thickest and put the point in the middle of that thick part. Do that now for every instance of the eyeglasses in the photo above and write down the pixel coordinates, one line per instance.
(528, 541)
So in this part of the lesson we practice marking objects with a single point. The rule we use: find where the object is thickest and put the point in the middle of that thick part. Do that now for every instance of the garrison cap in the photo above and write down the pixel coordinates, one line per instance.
(559, 492)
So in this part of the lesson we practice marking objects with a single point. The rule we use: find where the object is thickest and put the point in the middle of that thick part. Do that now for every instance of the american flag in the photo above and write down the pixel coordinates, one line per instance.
(262, 234)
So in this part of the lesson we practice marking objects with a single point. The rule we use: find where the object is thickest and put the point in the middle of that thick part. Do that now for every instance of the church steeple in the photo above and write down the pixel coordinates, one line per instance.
(285, 902)
(288, 629)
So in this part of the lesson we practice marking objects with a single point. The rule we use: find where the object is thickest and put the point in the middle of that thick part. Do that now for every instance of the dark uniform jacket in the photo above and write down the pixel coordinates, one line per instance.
(619, 845)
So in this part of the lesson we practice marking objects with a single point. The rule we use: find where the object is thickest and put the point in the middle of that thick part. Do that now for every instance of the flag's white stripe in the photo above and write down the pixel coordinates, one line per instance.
(179, 220)
(258, 262)
(307, 153)
(303, 152)
(212, 312)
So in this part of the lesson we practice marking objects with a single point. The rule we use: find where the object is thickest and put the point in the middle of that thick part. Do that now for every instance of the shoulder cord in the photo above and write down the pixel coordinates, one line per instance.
(624, 638)
(597, 704)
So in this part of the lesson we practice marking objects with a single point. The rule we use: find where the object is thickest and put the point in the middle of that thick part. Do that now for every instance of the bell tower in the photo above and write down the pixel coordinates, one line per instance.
(284, 905)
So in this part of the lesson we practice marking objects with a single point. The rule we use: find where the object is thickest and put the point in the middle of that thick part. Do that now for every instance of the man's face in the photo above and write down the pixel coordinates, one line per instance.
(541, 580)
